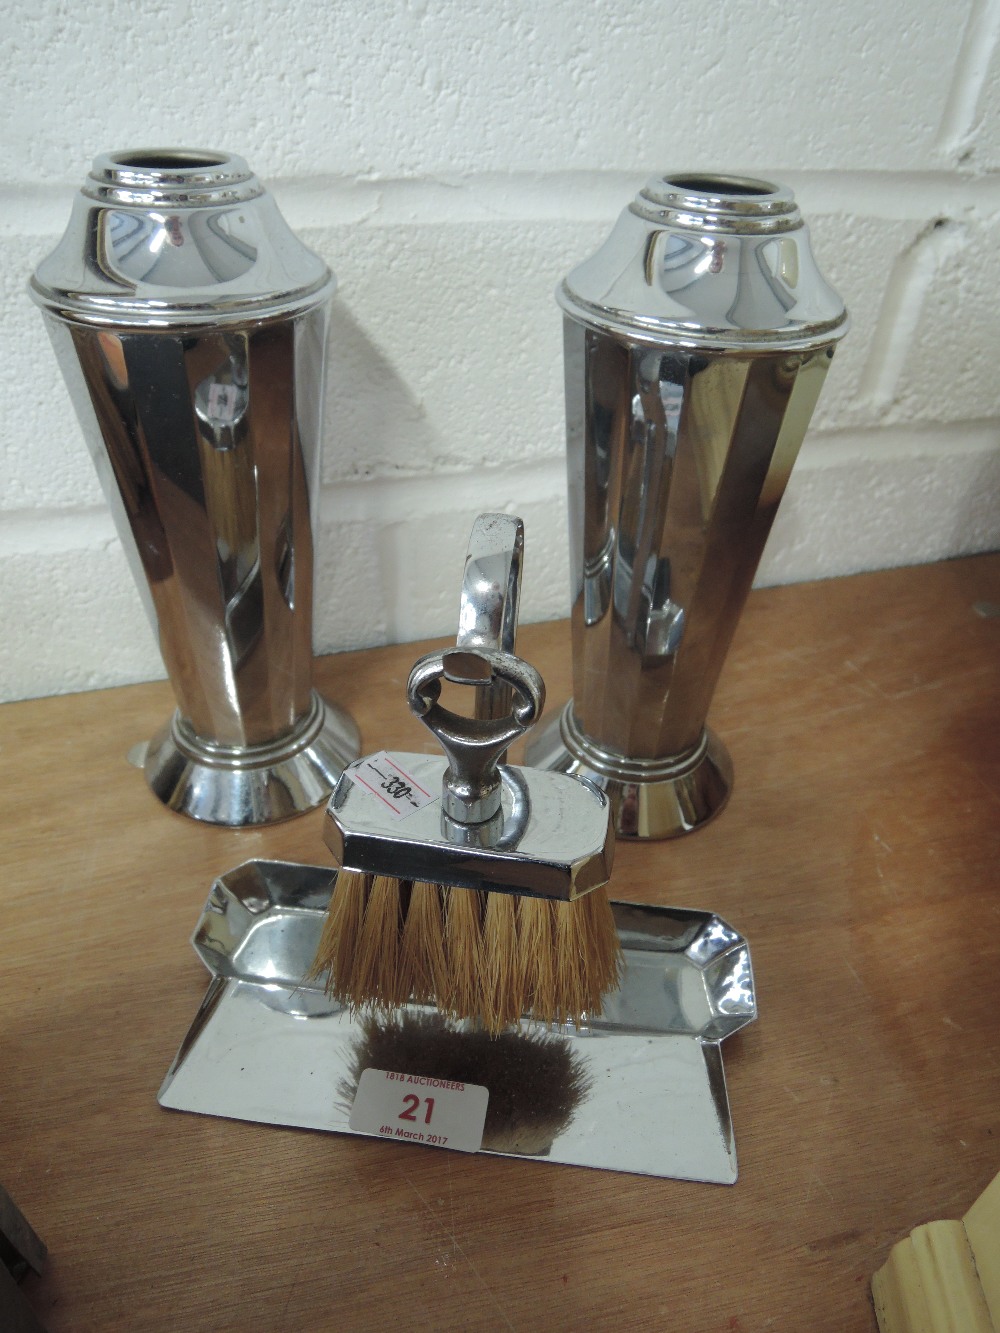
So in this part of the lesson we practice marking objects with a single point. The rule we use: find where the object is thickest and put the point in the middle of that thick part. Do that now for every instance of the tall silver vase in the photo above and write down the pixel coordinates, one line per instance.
(190, 325)
(697, 339)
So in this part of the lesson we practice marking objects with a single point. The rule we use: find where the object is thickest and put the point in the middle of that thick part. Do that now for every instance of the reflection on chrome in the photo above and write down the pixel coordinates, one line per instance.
(536, 1080)
(697, 339)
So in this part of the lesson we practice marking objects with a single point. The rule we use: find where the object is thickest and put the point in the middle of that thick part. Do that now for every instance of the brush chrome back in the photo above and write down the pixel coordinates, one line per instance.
(551, 837)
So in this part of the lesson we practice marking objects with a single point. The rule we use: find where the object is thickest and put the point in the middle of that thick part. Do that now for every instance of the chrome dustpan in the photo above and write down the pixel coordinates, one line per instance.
(640, 1088)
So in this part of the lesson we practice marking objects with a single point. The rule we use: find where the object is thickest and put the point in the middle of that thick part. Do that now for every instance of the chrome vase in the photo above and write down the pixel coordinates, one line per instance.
(697, 340)
(190, 325)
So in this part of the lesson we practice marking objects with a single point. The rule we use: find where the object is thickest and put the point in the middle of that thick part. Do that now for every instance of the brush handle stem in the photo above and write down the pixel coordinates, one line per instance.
(491, 594)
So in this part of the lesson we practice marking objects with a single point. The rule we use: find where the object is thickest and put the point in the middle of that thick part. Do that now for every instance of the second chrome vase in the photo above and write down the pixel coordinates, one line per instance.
(697, 339)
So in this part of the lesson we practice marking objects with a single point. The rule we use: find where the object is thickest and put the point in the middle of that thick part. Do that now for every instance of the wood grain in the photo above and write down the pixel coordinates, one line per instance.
(860, 854)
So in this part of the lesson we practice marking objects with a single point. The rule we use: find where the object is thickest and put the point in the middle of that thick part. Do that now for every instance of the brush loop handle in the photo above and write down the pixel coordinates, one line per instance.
(471, 790)
(491, 584)
(491, 595)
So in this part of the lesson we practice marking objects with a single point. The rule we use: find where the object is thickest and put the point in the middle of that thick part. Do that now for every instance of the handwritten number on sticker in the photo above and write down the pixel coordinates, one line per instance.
(381, 776)
(397, 788)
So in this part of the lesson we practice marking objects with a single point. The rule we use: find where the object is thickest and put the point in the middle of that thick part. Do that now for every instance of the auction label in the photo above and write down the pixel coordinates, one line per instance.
(411, 1108)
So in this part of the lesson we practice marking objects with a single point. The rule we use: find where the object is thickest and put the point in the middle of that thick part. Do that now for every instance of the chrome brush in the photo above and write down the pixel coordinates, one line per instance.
(468, 883)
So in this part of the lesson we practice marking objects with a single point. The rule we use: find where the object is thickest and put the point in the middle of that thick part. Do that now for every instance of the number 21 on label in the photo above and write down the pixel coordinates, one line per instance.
(412, 1103)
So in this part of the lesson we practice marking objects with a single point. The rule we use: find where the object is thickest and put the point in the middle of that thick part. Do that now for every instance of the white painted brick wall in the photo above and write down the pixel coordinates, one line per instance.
(452, 159)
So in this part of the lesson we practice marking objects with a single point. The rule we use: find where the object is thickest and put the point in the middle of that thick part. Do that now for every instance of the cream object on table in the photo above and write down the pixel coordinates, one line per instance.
(945, 1276)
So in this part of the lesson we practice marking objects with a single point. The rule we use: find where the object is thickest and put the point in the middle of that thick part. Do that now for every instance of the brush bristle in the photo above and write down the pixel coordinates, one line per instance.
(376, 963)
(536, 927)
(570, 957)
(338, 944)
(463, 917)
(422, 963)
(503, 971)
(489, 957)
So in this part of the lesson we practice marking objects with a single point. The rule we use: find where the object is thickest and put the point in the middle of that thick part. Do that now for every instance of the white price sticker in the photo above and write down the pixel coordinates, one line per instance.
(381, 776)
(410, 1108)
(222, 399)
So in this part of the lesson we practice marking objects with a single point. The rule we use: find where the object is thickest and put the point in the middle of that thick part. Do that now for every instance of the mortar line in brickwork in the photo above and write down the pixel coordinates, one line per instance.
(897, 195)
(979, 41)
(824, 450)
(597, 197)
(578, 197)
(902, 305)
(49, 531)
(384, 499)
(378, 499)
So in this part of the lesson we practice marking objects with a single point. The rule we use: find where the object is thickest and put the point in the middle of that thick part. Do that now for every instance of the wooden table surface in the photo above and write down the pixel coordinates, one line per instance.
(860, 854)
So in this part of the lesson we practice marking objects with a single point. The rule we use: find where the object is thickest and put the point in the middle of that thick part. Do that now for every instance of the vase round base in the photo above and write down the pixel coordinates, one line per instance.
(243, 786)
(650, 798)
